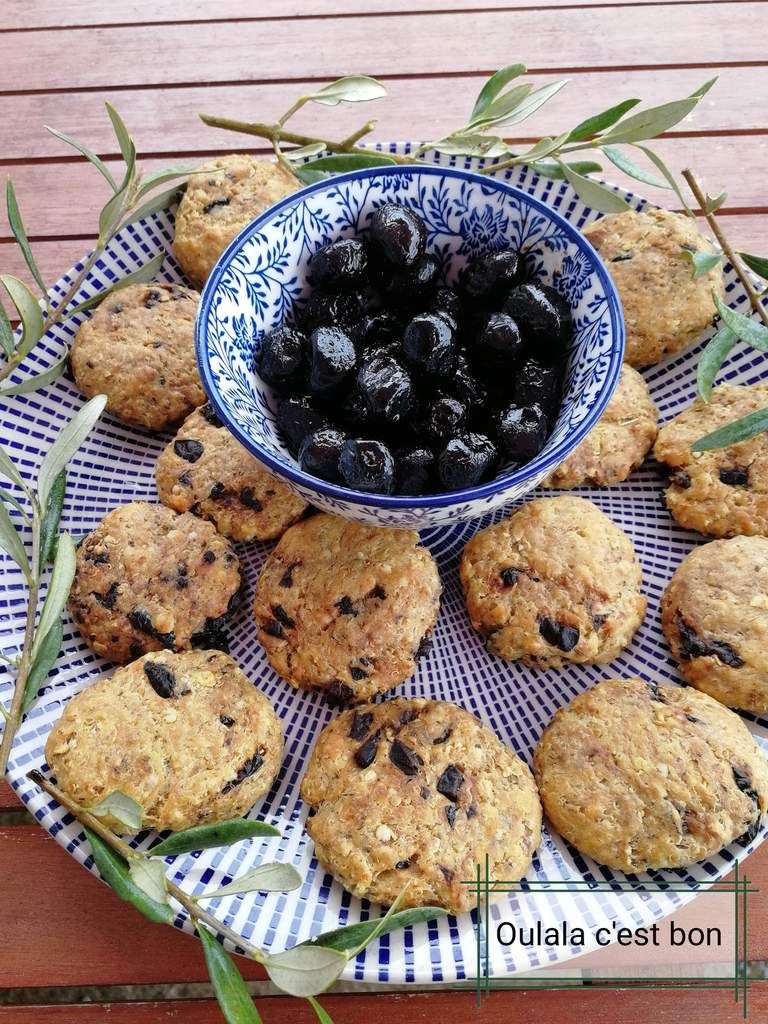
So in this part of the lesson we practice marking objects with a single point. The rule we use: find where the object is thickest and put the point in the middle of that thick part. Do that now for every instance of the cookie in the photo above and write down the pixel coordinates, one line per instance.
(345, 608)
(186, 736)
(205, 470)
(618, 443)
(714, 614)
(138, 349)
(149, 579)
(724, 492)
(222, 197)
(640, 776)
(555, 582)
(665, 309)
(418, 792)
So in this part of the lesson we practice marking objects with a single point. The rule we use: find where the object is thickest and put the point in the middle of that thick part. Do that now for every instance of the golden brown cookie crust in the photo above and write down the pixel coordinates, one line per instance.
(555, 582)
(714, 614)
(665, 309)
(642, 777)
(149, 579)
(218, 204)
(138, 349)
(418, 792)
(618, 443)
(205, 470)
(724, 492)
(344, 608)
(187, 736)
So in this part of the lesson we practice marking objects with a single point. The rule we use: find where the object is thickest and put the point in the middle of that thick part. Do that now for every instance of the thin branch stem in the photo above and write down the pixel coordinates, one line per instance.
(700, 197)
(349, 143)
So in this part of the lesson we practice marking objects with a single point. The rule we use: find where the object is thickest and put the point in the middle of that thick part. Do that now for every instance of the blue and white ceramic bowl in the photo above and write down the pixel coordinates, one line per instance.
(262, 277)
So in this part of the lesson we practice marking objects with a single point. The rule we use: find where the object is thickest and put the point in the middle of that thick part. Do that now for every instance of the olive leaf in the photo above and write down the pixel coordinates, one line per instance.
(711, 359)
(702, 262)
(667, 174)
(493, 87)
(484, 146)
(19, 233)
(544, 147)
(302, 152)
(713, 203)
(7, 341)
(58, 590)
(11, 542)
(207, 837)
(327, 166)
(97, 162)
(357, 936)
(620, 159)
(732, 433)
(42, 664)
(66, 444)
(593, 194)
(8, 470)
(305, 970)
(124, 140)
(49, 527)
(520, 111)
(501, 107)
(161, 201)
(149, 876)
(270, 877)
(599, 122)
(140, 276)
(351, 89)
(743, 327)
(53, 372)
(757, 264)
(704, 89)
(155, 178)
(121, 807)
(7, 496)
(322, 1015)
(550, 169)
(114, 870)
(29, 312)
(647, 124)
(228, 985)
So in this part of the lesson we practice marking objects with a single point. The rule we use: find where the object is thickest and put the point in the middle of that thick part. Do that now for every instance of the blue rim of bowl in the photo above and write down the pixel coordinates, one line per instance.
(389, 501)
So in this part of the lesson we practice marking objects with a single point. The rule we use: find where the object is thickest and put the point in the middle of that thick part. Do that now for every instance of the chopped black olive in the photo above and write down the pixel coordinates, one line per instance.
(366, 754)
(404, 758)
(188, 449)
(161, 679)
(108, 599)
(361, 725)
(450, 782)
(250, 767)
(558, 634)
(450, 813)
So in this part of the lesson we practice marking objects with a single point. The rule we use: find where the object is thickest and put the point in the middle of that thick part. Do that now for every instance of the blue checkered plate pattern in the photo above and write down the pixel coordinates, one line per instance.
(116, 465)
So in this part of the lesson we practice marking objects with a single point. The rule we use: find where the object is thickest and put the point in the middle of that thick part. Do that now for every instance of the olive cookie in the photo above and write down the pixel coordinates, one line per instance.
(723, 492)
(346, 609)
(222, 197)
(418, 792)
(187, 736)
(640, 776)
(149, 579)
(714, 614)
(555, 582)
(205, 470)
(138, 349)
(665, 309)
(618, 443)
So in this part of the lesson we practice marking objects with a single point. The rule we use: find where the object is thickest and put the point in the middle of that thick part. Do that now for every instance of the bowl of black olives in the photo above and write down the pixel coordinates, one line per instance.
(410, 345)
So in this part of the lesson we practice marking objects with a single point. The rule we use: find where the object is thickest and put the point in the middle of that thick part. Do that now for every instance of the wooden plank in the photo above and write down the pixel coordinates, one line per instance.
(8, 799)
(423, 43)
(597, 1004)
(166, 121)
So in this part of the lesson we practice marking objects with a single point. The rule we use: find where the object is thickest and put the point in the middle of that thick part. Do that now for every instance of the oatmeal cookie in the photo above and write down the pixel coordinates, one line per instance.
(665, 309)
(641, 776)
(187, 736)
(714, 614)
(618, 443)
(205, 470)
(138, 349)
(723, 492)
(149, 579)
(555, 582)
(418, 791)
(218, 204)
(345, 608)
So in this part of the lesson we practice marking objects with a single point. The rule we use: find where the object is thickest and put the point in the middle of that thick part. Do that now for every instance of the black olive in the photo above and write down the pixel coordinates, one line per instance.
(339, 265)
(429, 342)
(465, 461)
(332, 359)
(414, 471)
(319, 453)
(399, 234)
(444, 419)
(522, 431)
(296, 417)
(281, 357)
(489, 277)
(367, 466)
(386, 387)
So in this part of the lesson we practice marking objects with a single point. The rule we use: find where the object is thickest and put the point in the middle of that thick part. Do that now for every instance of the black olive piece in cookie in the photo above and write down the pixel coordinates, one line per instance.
(642, 776)
(714, 614)
(187, 736)
(418, 792)
(138, 349)
(149, 579)
(555, 582)
(343, 608)
(205, 470)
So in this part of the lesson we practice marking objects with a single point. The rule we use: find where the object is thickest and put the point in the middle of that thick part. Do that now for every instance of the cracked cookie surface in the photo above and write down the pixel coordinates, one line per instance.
(345, 608)
(205, 470)
(724, 492)
(618, 443)
(418, 791)
(554, 582)
(187, 736)
(714, 614)
(222, 197)
(138, 349)
(149, 579)
(641, 776)
(646, 254)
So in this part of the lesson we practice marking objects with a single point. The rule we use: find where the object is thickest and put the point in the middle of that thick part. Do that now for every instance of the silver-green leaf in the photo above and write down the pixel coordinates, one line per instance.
(8, 469)
(599, 122)
(39, 380)
(228, 985)
(11, 542)
(270, 877)
(522, 111)
(150, 878)
(351, 89)
(743, 327)
(713, 203)
(493, 87)
(711, 359)
(7, 341)
(502, 107)
(58, 589)
(702, 262)
(143, 274)
(303, 152)
(29, 312)
(123, 808)
(620, 159)
(213, 835)
(322, 1015)
(124, 140)
(97, 162)
(733, 433)
(20, 234)
(647, 124)
(305, 970)
(155, 178)
(485, 146)
(66, 444)
(593, 194)
(42, 665)
(757, 264)
(160, 201)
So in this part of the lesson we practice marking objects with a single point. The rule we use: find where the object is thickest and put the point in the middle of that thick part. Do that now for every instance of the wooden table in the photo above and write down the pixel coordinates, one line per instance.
(163, 61)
